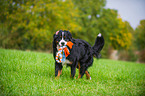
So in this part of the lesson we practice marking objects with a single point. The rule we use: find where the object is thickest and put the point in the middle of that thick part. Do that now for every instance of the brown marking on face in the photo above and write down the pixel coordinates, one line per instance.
(56, 42)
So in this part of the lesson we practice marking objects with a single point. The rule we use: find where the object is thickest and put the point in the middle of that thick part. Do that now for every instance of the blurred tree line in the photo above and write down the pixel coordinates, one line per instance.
(140, 40)
(30, 24)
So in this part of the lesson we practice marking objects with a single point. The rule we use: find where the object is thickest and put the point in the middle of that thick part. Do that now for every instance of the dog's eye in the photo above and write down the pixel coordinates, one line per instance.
(64, 37)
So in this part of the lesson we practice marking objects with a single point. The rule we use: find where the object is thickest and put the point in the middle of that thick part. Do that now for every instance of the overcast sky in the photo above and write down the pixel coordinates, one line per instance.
(130, 10)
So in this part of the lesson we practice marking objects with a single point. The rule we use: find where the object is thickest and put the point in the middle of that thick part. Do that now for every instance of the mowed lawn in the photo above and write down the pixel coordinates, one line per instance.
(32, 73)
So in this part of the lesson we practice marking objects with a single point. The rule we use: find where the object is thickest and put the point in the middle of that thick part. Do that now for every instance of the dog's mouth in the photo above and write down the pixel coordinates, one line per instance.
(61, 43)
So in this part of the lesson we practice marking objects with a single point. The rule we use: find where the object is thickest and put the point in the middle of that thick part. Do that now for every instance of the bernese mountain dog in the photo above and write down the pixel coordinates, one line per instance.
(80, 53)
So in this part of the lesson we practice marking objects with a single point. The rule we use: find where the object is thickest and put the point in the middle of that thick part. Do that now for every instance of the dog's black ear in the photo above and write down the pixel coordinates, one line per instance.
(54, 45)
(54, 36)
(69, 35)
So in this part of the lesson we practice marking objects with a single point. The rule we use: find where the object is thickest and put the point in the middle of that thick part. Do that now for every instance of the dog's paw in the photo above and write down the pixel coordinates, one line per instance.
(90, 78)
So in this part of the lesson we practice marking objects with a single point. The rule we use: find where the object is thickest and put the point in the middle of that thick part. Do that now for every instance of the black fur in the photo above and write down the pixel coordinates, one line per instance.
(81, 52)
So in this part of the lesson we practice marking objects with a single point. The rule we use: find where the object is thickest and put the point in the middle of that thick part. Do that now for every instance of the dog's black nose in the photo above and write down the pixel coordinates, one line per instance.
(62, 43)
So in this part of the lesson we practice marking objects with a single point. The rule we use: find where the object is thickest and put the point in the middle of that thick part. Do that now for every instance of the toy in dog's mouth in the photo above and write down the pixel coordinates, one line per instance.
(61, 44)
(66, 48)
(63, 52)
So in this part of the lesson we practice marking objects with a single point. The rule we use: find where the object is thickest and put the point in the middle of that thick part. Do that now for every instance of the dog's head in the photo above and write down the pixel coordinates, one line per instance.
(62, 37)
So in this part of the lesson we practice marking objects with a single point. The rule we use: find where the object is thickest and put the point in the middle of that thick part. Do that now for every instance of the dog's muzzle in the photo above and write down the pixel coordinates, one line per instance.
(62, 43)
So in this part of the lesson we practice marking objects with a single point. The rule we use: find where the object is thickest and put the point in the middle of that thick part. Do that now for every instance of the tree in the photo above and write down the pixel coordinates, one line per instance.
(89, 12)
(121, 38)
(114, 29)
(140, 40)
(31, 24)
(140, 35)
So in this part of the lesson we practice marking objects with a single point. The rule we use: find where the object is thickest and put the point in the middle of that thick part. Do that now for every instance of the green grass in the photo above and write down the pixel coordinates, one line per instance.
(32, 73)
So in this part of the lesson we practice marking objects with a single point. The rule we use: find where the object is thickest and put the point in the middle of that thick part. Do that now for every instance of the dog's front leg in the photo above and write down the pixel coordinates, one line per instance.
(58, 69)
(73, 70)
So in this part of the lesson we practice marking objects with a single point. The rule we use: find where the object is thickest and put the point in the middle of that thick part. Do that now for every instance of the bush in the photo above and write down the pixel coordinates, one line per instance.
(142, 56)
(128, 55)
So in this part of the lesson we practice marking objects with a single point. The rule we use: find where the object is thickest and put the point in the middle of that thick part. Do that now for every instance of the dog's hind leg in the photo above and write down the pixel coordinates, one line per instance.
(87, 75)
(82, 70)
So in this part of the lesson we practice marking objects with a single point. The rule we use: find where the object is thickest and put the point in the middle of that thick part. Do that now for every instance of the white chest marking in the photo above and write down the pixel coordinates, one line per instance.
(66, 62)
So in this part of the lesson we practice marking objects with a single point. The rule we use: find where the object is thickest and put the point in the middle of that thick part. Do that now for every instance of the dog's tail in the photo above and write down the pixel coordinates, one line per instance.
(99, 43)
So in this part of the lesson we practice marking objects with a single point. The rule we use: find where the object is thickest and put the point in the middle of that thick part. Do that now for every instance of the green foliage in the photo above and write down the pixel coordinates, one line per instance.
(26, 24)
(32, 24)
(115, 31)
(128, 55)
(31, 73)
(140, 35)
(140, 40)
(89, 13)
(120, 36)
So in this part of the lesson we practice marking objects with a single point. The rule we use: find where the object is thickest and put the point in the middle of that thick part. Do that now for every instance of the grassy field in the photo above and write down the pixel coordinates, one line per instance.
(32, 73)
